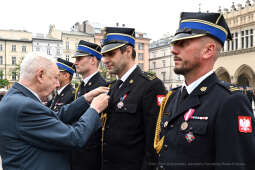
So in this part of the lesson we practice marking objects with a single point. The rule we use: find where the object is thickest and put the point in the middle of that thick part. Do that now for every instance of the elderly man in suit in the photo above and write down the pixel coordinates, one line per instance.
(32, 136)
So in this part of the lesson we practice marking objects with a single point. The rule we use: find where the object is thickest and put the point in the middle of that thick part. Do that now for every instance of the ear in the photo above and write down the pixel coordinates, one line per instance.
(40, 74)
(129, 51)
(93, 60)
(67, 75)
(209, 50)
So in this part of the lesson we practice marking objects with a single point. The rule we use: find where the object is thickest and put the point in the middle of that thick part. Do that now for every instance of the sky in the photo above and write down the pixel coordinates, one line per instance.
(154, 17)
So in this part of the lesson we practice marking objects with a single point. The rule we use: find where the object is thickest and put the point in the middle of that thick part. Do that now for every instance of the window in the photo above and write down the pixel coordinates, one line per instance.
(141, 65)
(24, 49)
(236, 40)
(67, 57)
(37, 48)
(140, 56)
(242, 39)
(58, 51)
(140, 46)
(14, 75)
(1, 74)
(232, 43)
(13, 60)
(13, 48)
(163, 76)
(67, 45)
(48, 51)
(251, 38)
(246, 38)
(154, 64)
(1, 60)
(1, 47)
(164, 63)
(228, 43)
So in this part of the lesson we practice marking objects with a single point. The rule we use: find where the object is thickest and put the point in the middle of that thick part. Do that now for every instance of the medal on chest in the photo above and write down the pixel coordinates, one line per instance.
(187, 116)
(120, 104)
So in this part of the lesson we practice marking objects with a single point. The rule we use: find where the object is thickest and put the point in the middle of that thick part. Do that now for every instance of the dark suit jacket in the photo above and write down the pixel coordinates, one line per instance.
(65, 97)
(89, 157)
(130, 124)
(215, 143)
(32, 136)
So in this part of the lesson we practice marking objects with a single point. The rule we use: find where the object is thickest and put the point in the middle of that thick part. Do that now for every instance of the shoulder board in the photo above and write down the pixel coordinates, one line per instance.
(149, 76)
(229, 87)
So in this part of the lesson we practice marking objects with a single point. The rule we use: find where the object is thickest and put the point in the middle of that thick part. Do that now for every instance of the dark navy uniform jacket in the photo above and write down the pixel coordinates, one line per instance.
(89, 157)
(219, 136)
(65, 97)
(130, 123)
(33, 137)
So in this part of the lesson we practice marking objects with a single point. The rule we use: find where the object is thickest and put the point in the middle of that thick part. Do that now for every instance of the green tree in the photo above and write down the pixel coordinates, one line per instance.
(3, 82)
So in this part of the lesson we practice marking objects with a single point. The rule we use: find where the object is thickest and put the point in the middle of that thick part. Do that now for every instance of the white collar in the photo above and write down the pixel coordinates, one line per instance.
(86, 80)
(127, 74)
(193, 85)
(60, 90)
(34, 93)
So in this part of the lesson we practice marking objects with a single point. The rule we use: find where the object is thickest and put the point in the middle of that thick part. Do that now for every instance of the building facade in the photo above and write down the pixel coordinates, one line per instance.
(162, 63)
(14, 46)
(70, 41)
(237, 61)
(48, 45)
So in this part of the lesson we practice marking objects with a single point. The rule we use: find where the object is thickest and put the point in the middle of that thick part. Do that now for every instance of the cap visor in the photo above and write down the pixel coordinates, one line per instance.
(79, 54)
(184, 36)
(110, 47)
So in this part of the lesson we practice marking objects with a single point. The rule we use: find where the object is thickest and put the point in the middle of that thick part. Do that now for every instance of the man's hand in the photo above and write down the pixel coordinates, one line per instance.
(93, 93)
(100, 102)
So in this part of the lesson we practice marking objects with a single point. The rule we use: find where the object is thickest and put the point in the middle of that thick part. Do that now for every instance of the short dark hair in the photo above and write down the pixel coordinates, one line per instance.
(123, 49)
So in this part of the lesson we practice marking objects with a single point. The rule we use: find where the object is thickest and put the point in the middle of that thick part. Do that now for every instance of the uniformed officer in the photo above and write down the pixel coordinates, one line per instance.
(87, 59)
(65, 92)
(130, 119)
(205, 124)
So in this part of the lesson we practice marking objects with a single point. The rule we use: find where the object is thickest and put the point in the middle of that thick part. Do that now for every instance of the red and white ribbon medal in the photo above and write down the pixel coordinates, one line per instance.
(187, 116)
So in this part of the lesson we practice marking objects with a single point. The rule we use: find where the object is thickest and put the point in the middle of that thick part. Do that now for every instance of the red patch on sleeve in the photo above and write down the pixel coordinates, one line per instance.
(160, 99)
(244, 124)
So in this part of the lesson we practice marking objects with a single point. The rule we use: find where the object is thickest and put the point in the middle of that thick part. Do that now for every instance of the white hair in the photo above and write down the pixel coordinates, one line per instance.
(32, 62)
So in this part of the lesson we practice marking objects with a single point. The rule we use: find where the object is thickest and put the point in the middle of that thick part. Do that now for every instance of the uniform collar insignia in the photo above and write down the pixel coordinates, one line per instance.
(203, 89)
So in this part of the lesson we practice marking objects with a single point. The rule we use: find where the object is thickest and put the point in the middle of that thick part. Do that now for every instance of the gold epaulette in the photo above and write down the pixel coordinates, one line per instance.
(232, 88)
(149, 76)
(158, 143)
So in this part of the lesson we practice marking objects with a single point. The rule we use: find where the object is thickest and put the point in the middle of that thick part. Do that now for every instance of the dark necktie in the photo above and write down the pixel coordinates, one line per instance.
(81, 89)
(115, 89)
(184, 94)
(118, 83)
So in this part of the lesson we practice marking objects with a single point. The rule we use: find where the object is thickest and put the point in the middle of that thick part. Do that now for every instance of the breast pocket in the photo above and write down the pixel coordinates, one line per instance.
(128, 108)
(195, 140)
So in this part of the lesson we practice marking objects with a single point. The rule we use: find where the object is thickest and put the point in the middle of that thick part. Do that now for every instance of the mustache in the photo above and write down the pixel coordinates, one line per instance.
(177, 58)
